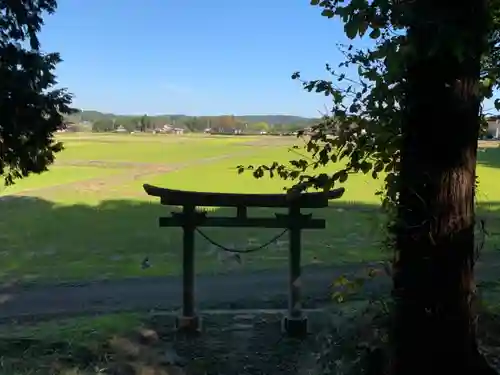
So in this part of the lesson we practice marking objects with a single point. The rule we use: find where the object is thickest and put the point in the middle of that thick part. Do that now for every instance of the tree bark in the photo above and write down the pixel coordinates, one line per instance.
(433, 281)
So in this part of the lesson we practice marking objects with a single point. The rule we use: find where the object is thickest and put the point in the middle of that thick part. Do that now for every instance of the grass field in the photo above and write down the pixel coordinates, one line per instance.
(88, 217)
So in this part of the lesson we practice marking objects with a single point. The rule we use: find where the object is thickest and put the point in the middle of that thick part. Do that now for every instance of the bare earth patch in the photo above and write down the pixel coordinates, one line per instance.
(108, 164)
(244, 343)
(101, 184)
(489, 144)
(134, 171)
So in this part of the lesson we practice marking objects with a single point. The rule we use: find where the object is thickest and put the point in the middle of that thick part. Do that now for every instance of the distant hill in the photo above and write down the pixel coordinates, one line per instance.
(275, 119)
(93, 116)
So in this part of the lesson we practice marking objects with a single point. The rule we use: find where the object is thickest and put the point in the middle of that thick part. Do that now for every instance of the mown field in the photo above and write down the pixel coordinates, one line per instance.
(88, 217)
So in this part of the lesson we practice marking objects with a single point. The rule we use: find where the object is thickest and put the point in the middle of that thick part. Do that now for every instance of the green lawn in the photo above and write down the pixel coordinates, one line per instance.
(75, 233)
(223, 177)
(150, 149)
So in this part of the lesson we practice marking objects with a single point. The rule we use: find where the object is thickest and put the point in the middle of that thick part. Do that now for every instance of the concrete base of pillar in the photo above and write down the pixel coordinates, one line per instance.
(296, 327)
(188, 324)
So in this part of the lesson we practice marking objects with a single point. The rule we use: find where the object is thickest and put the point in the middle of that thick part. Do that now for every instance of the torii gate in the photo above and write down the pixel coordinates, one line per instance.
(295, 323)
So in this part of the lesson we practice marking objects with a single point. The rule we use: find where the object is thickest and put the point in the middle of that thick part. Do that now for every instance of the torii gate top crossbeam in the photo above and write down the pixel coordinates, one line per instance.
(172, 197)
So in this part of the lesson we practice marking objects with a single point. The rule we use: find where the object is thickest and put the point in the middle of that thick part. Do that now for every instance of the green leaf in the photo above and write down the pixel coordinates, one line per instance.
(314, 2)
(328, 185)
(375, 34)
(258, 173)
(487, 83)
(343, 177)
(379, 166)
(351, 29)
(366, 167)
(341, 281)
(327, 13)
(362, 28)
(338, 296)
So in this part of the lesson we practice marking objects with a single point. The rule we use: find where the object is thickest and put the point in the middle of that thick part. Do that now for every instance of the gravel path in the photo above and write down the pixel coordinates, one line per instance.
(260, 289)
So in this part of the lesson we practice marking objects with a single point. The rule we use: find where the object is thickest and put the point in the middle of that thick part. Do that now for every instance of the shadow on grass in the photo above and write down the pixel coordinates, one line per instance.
(230, 344)
(42, 240)
(107, 345)
(489, 157)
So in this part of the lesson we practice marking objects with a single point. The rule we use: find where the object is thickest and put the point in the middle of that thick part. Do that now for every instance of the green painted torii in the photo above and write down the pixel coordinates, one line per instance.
(295, 323)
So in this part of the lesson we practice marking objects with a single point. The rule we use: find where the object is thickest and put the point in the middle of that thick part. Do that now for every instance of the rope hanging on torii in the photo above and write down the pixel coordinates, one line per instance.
(247, 250)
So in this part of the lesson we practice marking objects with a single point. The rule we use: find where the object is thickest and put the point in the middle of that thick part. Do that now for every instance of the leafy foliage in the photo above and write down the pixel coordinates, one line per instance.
(362, 133)
(259, 127)
(363, 130)
(144, 123)
(104, 125)
(31, 109)
(357, 343)
(195, 124)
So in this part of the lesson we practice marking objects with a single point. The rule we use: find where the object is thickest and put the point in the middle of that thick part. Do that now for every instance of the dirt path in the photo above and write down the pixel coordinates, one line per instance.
(135, 171)
(261, 289)
(257, 290)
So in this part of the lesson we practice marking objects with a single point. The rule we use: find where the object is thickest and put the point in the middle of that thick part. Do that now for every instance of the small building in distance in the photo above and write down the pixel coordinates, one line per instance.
(222, 131)
(493, 130)
(168, 129)
(121, 129)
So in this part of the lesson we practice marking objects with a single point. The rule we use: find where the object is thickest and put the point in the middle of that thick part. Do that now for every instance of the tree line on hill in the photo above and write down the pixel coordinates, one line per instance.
(101, 122)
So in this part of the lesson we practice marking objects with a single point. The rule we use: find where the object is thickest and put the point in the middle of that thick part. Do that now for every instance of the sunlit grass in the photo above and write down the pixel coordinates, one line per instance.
(144, 150)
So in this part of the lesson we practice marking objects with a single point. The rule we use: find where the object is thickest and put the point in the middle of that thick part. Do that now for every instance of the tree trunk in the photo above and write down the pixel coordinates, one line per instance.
(435, 324)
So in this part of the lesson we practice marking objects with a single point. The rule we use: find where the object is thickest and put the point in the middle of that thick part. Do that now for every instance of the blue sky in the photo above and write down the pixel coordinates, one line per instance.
(195, 57)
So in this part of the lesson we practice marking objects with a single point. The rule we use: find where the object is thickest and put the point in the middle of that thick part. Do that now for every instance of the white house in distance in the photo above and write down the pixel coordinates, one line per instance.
(121, 129)
(169, 129)
(494, 128)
